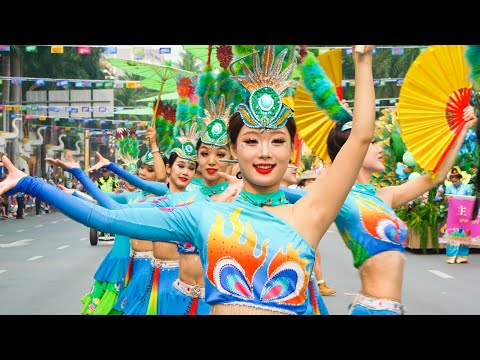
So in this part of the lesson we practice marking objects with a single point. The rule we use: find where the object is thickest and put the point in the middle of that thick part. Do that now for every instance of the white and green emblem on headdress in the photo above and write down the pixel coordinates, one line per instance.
(188, 143)
(128, 150)
(216, 123)
(266, 84)
(147, 159)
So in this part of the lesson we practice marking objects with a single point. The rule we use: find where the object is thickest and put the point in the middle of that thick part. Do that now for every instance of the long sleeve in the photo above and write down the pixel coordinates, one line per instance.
(179, 224)
(152, 187)
(93, 190)
(293, 195)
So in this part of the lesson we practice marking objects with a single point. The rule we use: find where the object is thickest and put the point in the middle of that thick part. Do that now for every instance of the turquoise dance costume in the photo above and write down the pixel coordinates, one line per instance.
(246, 262)
(368, 227)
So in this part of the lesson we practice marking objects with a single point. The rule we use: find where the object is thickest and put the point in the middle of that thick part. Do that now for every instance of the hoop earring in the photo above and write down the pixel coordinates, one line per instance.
(239, 175)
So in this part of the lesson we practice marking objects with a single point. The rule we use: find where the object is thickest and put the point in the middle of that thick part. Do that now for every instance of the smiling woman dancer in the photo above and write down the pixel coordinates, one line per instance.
(371, 229)
(257, 252)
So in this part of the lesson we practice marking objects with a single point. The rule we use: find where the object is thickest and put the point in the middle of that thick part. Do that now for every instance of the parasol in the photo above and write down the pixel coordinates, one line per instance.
(314, 124)
(156, 76)
(169, 96)
(205, 53)
(434, 93)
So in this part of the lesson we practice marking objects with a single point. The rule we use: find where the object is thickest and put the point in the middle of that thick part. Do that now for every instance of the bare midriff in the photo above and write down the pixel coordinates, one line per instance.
(235, 309)
(165, 251)
(141, 245)
(191, 269)
(382, 276)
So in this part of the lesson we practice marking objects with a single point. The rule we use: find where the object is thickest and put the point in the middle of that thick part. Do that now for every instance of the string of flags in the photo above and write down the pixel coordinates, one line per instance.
(137, 51)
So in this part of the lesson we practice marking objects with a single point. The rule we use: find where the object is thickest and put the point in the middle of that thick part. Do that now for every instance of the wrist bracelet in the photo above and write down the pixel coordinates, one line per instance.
(154, 151)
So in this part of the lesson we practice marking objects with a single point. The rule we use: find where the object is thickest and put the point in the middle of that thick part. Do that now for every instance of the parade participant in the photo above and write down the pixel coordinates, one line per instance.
(180, 170)
(457, 253)
(250, 268)
(124, 260)
(370, 228)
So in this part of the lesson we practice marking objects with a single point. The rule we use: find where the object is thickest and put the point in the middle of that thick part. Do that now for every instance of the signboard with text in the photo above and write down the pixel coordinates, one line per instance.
(460, 228)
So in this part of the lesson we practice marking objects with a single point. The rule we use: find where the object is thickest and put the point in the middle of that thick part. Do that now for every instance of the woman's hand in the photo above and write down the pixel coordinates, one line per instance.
(469, 117)
(101, 162)
(65, 189)
(151, 137)
(65, 165)
(14, 175)
(233, 190)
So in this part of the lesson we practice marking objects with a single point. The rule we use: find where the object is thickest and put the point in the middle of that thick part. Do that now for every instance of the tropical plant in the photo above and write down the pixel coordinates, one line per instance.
(188, 62)
(307, 162)
(423, 216)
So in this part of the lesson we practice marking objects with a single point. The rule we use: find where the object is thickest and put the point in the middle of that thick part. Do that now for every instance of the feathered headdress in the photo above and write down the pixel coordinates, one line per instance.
(216, 123)
(266, 84)
(218, 95)
(128, 150)
(147, 158)
(323, 90)
(188, 142)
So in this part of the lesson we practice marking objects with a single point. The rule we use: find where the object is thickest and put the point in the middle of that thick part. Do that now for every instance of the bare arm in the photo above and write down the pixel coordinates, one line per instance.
(158, 164)
(329, 192)
(396, 196)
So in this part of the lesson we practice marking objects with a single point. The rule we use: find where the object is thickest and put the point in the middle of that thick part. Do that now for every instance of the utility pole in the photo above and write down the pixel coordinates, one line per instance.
(86, 147)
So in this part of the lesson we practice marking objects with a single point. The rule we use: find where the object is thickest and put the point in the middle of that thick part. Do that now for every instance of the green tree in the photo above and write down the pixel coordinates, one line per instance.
(188, 62)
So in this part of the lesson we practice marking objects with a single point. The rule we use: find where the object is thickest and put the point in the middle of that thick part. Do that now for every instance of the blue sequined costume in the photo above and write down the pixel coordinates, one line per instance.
(245, 262)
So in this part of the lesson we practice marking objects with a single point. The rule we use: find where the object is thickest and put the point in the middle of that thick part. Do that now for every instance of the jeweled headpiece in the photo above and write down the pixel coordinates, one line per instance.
(266, 84)
(128, 150)
(216, 123)
(188, 142)
(147, 159)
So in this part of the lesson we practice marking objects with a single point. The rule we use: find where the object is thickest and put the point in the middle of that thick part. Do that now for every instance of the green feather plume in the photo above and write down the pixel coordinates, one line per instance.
(164, 132)
(323, 91)
(473, 57)
(205, 82)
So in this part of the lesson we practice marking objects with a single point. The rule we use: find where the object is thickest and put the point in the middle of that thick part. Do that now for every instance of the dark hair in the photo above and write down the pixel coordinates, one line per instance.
(455, 176)
(235, 124)
(174, 156)
(336, 139)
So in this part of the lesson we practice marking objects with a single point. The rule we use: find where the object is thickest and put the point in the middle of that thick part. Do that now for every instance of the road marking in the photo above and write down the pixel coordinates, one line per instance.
(441, 274)
(63, 247)
(20, 230)
(38, 225)
(16, 243)
(350, 294)
(54, 222)
(35, 258)
(2, 271)
(83, 239)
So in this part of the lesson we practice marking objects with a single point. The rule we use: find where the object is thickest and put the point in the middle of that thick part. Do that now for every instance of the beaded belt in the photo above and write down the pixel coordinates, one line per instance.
(164, 263)
(379, 304)
(141, 254)
(193, 291)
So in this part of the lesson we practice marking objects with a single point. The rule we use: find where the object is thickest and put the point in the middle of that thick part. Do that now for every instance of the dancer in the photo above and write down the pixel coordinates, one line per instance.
(249, 268)
(371, 229)
(457, 253)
